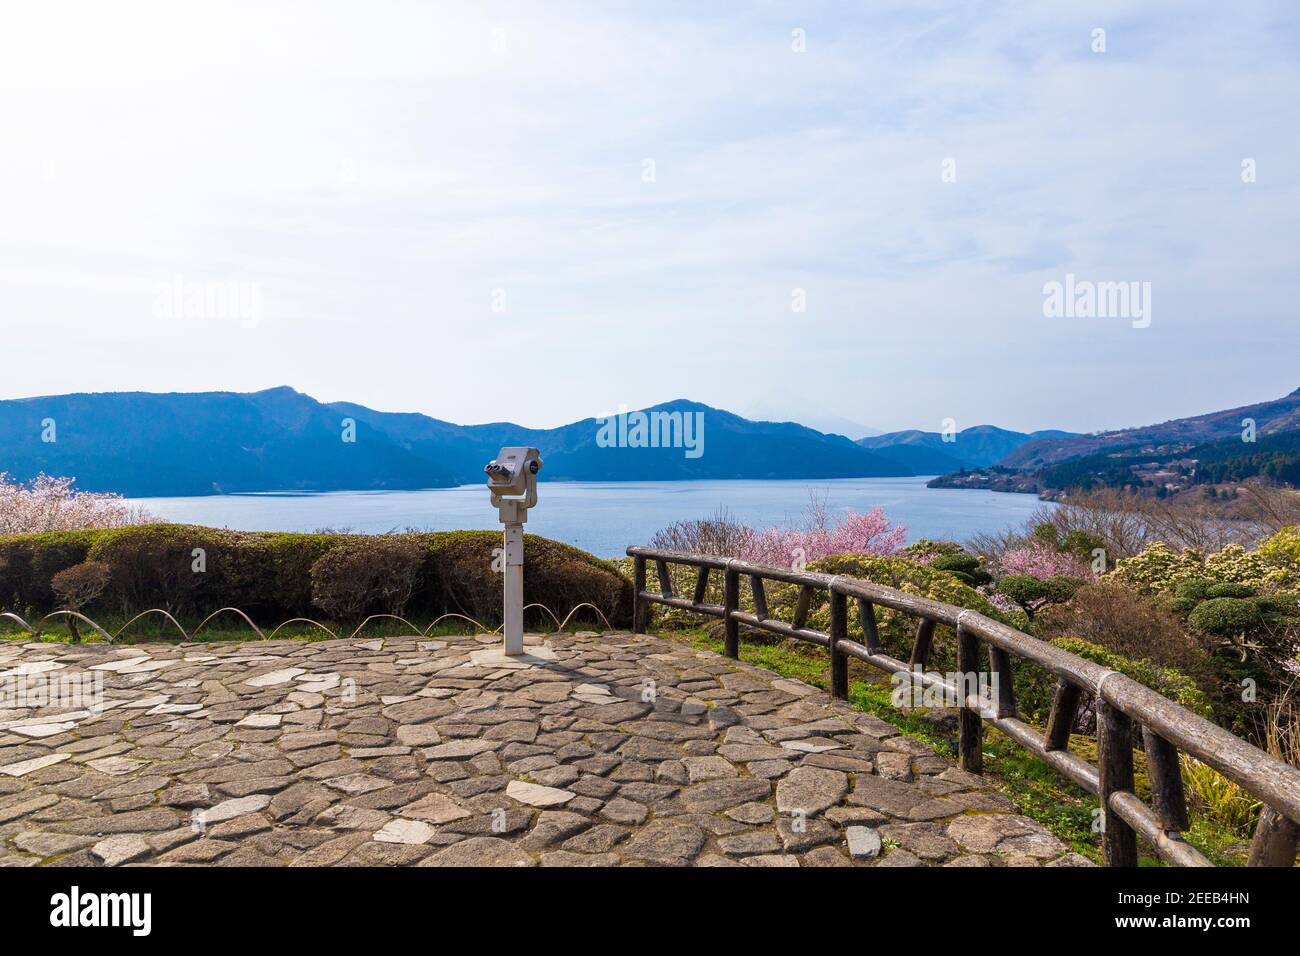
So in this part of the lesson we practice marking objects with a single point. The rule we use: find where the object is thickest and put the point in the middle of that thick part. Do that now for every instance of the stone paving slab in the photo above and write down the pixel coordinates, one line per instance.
(606, 749)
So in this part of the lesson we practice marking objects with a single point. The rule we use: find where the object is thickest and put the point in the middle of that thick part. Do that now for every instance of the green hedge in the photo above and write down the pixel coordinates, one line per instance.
(268, 574)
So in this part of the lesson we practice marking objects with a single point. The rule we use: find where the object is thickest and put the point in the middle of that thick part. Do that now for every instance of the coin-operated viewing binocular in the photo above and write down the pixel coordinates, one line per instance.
(513, 474)
(512, 481)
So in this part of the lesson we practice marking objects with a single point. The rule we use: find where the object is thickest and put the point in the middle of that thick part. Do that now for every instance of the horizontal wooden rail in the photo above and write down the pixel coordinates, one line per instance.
(1128, 711)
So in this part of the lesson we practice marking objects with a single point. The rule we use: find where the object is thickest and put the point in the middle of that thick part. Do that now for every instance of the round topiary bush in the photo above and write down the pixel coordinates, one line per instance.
(967, 568)
(376, 575)
(1225, 616)
(1229, 589)
(1033, 594)
(193, 571)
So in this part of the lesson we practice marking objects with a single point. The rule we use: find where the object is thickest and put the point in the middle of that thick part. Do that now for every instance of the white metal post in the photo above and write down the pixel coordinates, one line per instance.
(514, 589)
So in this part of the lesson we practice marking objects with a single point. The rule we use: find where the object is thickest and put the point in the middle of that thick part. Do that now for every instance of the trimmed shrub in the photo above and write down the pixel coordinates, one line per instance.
(269, 574)
(467, 573)
(28, 562)
(1225, 617)
(1229, 589)
(78, 586)
(181, 568)
(369, 574)
(1032, 594)
(967, 568)
(81, 584)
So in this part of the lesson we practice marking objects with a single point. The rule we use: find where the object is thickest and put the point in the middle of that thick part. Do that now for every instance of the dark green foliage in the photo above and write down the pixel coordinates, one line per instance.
(1273, 457)
(1229, 589)
(1083, 543)
(927, 547)
(967, 567)
(1197, 589)
(28, 562)
(1251, 642)
(1049, 534)
(1225, 616)
(1033, 594)
(376, 574)
(1108, 469)
(268, 574)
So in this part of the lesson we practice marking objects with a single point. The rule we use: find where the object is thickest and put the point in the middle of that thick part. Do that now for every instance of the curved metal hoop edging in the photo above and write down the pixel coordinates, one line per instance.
(544, 608)
(577, 608)
(302, 620)
(21, 623)
(190, 636)
(152, 610)
(230, 610)
(375, 617)
(81, 617)
(478, 624)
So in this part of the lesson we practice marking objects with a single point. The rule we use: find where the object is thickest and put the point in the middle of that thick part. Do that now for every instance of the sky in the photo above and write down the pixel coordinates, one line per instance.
(540, 212)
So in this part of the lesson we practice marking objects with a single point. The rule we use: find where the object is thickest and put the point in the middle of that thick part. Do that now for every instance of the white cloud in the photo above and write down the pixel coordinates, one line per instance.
(380, 172)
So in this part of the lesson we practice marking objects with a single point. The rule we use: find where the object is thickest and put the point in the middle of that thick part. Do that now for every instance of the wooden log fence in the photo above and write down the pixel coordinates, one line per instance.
(1127, 712)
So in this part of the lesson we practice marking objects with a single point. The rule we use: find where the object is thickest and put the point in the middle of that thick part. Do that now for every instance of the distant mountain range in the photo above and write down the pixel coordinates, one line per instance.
(1270, 418)
(153, 445)
(928, 453)
(144, 444)
(1251, 441)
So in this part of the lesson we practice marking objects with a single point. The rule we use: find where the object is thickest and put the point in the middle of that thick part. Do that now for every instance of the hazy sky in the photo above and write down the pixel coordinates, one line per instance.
(642, 188)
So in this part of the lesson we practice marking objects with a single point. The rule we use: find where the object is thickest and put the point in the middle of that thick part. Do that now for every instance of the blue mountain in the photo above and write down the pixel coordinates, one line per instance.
(143, 444)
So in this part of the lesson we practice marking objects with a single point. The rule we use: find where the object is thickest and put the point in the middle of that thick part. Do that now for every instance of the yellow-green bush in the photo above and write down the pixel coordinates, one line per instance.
(1281, 554)
(1158, 569)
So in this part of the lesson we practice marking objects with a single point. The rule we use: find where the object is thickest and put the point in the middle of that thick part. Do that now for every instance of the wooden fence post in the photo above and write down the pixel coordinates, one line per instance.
(640, 608)
(970, 739)
(731, 602)
(839, 632)
(1275, 840)
(1166, 776)
(1115, 766)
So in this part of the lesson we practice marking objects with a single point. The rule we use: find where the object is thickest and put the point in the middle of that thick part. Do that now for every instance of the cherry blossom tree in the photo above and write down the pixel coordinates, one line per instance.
(51, 504)
(855, 533)
(1042, 561)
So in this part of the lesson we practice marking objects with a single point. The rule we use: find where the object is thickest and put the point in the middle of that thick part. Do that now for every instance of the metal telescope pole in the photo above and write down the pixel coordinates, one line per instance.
(513, 517)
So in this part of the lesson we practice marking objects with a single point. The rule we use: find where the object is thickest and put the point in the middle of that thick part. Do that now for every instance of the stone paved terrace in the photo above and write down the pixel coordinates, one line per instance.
(437, 753)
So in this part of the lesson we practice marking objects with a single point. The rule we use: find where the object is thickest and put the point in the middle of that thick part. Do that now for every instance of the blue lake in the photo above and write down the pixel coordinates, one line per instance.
(604, 518)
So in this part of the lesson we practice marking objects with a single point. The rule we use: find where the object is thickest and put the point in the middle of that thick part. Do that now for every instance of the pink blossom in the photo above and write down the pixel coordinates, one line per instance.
(856, 533)
(50, 504)
(1040, 561)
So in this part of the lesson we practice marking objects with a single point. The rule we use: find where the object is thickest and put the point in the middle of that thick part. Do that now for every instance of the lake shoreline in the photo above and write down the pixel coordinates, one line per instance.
(604, 518)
